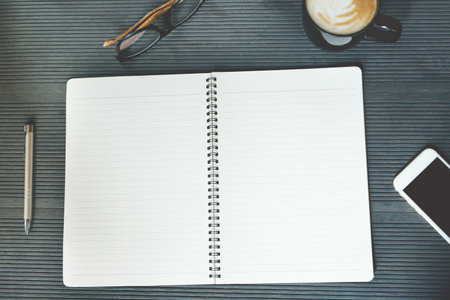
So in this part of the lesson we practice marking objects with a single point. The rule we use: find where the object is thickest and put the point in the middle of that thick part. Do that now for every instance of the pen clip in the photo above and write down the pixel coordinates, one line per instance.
(25, 131)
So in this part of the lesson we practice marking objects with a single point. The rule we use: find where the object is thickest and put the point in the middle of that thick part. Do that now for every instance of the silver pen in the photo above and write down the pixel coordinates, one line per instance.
(28, 186)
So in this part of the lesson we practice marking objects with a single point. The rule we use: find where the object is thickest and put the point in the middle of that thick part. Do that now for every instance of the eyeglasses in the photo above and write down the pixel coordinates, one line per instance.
(144, 34)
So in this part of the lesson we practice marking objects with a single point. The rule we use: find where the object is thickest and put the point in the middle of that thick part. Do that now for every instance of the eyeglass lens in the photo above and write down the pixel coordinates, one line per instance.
(138, 42)
(183, 10)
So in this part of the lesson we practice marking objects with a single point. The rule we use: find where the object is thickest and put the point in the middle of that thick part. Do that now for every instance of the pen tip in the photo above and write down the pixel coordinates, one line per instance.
(27, 224)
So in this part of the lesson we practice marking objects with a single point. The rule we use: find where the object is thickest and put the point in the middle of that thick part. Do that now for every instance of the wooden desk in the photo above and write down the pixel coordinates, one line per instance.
(407, 104)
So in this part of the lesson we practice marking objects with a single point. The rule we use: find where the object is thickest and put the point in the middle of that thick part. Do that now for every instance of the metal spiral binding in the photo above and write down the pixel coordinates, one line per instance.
(213, 179)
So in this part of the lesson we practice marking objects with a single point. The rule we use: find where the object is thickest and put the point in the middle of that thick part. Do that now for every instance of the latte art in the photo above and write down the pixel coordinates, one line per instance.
(342, 17)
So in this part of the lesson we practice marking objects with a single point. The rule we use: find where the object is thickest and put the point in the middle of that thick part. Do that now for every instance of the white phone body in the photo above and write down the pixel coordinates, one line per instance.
(406, 176)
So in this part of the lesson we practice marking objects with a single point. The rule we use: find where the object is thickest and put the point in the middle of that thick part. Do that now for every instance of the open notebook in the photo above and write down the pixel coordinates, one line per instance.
(237, 177)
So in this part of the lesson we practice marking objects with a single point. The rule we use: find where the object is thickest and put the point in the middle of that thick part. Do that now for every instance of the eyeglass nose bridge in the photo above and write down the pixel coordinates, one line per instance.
(168, 17)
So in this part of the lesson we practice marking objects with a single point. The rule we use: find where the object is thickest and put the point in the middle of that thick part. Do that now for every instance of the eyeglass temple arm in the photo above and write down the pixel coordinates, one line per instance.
(149, 18)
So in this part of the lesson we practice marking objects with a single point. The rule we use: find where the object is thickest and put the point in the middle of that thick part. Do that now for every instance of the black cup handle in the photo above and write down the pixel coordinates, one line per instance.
(384, 29)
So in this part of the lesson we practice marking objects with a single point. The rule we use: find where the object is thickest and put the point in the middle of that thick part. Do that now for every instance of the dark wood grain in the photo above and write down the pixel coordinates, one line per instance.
(407, 106)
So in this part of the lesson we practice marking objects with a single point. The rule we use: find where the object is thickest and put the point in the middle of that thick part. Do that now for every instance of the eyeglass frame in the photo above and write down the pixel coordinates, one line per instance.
(162, 33)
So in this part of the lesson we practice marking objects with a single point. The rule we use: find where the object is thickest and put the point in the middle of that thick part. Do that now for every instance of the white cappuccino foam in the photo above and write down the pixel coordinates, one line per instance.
(342, 17)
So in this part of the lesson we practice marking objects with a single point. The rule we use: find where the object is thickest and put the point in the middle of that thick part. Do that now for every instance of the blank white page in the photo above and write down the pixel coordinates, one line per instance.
(293, 183)
(136, 188)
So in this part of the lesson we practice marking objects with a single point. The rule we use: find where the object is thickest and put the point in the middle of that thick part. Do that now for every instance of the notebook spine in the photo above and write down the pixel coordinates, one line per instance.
(213, 179)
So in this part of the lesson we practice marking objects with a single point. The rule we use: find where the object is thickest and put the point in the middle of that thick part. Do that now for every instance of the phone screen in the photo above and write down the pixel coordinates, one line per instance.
(430, 190)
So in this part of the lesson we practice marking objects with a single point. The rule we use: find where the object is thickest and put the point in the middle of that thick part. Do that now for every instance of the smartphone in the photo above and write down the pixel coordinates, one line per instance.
(425, 184)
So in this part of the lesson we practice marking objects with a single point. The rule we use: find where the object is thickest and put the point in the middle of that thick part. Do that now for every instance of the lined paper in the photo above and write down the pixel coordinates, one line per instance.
(136, 181)
(293, 177)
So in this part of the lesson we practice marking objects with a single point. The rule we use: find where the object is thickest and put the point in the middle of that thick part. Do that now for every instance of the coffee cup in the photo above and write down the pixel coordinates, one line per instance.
(339, 24)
